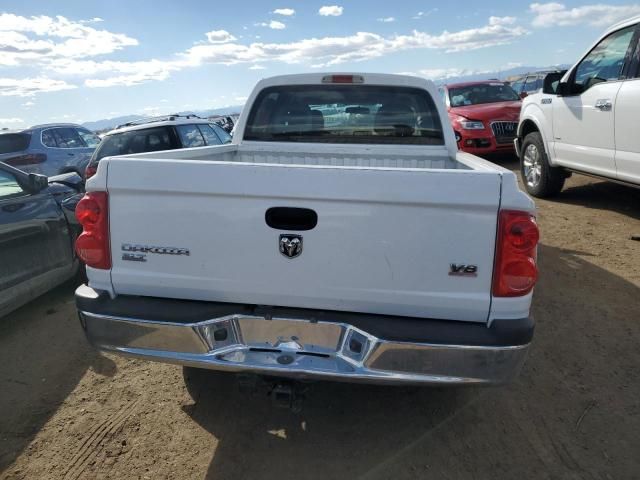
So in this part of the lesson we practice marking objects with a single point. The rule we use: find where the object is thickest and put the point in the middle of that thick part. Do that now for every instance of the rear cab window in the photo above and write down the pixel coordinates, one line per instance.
(14, 142)
(360, 114)
(136, 141)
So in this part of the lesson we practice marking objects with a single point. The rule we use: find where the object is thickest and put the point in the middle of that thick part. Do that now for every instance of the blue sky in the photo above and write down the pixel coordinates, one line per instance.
(80, 61)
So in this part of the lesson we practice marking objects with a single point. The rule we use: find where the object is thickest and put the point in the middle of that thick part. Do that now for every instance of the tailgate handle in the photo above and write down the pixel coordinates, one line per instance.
(291, 218)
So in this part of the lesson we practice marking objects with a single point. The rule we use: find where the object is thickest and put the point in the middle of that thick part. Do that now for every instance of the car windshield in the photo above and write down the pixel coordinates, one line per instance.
(345, 114)
(14, 142)
(481, 93)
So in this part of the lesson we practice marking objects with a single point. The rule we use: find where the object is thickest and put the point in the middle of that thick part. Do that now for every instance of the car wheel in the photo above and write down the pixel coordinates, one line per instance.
(539, 178)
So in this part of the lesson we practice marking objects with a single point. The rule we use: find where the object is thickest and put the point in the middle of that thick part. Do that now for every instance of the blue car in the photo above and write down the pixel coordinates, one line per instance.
(49, 149)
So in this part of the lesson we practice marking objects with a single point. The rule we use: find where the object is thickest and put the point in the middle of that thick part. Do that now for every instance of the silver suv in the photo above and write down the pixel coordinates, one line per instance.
(48, 149)
(161, 133)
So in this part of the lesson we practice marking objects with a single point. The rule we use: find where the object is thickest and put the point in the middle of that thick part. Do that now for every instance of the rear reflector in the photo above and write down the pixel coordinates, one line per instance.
(515, 271)
(92, 246)
(28, 159)
(342, 79)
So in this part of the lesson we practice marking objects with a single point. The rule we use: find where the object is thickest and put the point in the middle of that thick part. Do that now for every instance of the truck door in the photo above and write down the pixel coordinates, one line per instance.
(626, 120)
(583, 126)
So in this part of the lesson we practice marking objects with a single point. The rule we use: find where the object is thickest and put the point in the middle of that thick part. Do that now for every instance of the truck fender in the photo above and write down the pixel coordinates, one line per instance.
(532, 118)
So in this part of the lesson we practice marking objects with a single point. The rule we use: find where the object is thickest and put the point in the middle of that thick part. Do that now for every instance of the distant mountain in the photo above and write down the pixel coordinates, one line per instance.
(110, 123)
(442, 76)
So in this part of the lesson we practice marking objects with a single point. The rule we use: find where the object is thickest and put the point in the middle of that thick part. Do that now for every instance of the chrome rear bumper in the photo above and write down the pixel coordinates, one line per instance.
(302, 349)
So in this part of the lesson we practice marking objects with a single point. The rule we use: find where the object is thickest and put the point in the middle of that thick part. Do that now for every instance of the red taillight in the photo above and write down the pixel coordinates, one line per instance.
(90, 171)
(515, 272)
(92, 246)
(28, 159)
(342, 79)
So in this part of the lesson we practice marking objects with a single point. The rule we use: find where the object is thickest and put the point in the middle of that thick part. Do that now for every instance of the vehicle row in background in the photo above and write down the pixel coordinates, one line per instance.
(531, 83)
(49, 149)
(37, 230)
(154, 134)
(227, 122)
(484, 115)
(588, 121)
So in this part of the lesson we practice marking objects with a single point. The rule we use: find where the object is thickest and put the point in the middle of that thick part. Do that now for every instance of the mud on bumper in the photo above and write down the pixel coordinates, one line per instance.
(305, 344)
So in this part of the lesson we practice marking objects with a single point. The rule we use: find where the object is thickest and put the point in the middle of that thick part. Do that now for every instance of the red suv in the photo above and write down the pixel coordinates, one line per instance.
(484, 115)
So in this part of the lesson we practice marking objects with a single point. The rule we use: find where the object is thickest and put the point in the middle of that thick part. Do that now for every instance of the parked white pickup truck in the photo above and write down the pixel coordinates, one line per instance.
(588, 122)
(340, 236)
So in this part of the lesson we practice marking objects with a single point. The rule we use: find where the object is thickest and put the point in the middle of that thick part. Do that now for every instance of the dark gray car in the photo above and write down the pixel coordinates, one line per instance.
(48, 149)
(37, 232)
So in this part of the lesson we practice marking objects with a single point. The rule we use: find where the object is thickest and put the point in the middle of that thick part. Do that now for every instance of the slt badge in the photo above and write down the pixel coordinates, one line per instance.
(290, 245)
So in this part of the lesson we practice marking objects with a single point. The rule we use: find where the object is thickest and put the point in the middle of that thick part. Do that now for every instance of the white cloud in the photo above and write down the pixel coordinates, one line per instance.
(598, 15)
(11, 120)
(330, 11)
(287, 12)
(421, 15)
(220, 36)
(328, 51)
(387, 19)
(257, 67)
(26, 87)
(40, 39)
(28, 104)
(273, 24)
(221, 47)
(109, 73)
(446, 73)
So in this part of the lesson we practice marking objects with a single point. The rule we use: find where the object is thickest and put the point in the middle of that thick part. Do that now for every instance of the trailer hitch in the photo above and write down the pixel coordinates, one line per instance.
(282, 393)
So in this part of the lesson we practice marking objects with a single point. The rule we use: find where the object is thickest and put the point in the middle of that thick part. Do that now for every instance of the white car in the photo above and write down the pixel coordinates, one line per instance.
(364, 249)
(588, 122)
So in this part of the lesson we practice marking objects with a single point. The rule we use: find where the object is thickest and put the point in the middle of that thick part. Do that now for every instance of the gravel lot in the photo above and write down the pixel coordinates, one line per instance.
(68, 412)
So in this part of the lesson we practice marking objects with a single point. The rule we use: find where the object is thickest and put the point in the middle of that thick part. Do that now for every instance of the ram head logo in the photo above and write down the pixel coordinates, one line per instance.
(291, 245)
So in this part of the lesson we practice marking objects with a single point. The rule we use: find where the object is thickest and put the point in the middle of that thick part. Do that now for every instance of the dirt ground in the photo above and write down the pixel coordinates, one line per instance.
(68, 412)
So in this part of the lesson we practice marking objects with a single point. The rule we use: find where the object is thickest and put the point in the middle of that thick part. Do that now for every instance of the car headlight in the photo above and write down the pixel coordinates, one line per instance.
(471, 125)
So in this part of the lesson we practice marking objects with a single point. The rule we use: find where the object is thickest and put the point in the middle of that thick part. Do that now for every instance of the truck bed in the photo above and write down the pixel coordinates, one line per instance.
(379, 156)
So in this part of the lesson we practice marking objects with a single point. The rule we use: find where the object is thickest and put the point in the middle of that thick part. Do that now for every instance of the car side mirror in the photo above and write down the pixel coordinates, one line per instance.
(523, 95)
(36, 182)
(552, 84)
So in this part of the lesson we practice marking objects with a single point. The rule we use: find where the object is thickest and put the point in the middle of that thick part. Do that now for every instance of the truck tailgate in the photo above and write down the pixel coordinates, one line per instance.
(384, 240)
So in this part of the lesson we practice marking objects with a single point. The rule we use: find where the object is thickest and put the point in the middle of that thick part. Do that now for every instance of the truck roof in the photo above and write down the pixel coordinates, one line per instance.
(622, 24)
(368, 79)
(161, 121)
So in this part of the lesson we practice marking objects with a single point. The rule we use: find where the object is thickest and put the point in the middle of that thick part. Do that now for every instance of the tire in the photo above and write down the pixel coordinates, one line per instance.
(539, 178)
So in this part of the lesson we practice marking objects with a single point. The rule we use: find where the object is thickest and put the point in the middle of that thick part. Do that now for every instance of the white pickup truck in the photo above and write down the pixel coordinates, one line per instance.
(340, 236)
(587, 120)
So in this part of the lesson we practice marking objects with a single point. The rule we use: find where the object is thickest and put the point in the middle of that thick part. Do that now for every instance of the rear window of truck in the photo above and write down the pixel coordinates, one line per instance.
(345, 114)
(14, 142)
